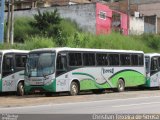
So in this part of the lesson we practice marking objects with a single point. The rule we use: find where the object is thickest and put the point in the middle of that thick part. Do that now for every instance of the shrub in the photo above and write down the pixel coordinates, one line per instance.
(22, 29)
(47, 22)
(35, 42)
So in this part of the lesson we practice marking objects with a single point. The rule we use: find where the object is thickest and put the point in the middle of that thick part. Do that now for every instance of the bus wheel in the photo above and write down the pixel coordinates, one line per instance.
(121, 85)
(20, 89)
(74, 89)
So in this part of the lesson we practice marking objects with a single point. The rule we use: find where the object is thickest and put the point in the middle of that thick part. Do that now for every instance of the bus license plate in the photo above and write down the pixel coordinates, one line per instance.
(37, 91)
(39, 83)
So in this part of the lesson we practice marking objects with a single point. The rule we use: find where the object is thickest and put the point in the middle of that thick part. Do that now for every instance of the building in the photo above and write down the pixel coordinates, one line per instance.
(29, 4)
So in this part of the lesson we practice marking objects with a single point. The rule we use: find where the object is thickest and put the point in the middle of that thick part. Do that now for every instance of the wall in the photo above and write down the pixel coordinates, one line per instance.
(158, 25)
(149, 9)
(84, 15)
(136, 26)
(103, 19)
(150, 24)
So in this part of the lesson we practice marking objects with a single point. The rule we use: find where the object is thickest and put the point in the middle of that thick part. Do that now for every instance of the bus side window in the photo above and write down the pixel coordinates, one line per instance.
(141, 59)
(61, 64)
(102, 59)
(20, 60)
(114, 59)
(154, 65)
(134, 60)
(125, 59)
(8, 65)
(89, 59)
(75, 59)
(159, 63)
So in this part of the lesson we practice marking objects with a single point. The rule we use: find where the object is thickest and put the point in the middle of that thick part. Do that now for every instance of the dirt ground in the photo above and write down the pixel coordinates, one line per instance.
(11, 100)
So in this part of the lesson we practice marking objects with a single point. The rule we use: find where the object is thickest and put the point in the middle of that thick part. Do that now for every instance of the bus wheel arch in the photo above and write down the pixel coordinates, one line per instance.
(74, 87)
(20, 88)
(120, 85)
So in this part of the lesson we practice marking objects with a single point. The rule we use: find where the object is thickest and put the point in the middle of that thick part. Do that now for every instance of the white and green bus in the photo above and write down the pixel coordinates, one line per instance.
(152, 61)
(52, 70)
(12, 66)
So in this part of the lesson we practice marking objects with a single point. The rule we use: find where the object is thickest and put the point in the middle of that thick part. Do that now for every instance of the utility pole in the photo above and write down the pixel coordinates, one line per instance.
(8, 23)
(128, 21)
(12, 23)
(2, 7)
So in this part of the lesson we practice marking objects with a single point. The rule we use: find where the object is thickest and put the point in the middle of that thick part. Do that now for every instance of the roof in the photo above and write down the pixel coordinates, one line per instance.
(85, 49)
(80, 1)
(143, 1)
(14, 51)
(152, 54)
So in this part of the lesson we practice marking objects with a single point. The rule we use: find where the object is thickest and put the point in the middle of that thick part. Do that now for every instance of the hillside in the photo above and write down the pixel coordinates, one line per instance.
(68, 34)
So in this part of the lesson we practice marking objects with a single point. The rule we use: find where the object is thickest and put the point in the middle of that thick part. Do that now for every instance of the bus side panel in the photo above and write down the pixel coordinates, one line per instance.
(131, 78)
(134, 80)
(0, 85)
(9, 83)
(98, 78)
(154, 80)
(51, 87)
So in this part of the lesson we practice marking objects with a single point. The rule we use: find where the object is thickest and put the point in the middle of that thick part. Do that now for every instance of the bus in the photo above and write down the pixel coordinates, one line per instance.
(152, 61)
(12, 66)
(72, 70)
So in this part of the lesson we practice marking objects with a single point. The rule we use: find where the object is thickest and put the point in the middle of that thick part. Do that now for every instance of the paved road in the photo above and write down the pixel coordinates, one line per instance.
(128, 105)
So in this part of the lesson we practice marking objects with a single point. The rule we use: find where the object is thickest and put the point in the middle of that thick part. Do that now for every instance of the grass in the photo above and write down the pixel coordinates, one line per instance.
(27, 37)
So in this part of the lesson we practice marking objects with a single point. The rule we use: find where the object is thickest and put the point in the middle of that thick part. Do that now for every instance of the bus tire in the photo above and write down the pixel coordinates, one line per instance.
(121, 85)
(74, 89)
(20, 89)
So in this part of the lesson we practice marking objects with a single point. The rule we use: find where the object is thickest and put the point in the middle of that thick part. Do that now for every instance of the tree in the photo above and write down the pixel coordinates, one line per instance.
(47, 22)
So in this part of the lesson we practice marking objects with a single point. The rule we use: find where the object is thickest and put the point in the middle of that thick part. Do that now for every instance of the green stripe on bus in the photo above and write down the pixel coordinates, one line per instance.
(87, 84)
(132, 78)
(51, 87)
(148, 82)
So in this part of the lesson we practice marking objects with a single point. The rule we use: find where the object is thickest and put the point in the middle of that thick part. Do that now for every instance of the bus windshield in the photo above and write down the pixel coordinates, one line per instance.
(40, 64)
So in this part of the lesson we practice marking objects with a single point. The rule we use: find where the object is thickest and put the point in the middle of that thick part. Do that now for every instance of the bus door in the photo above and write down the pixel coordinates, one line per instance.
(62, 77)
(8, 77)
(154, 72)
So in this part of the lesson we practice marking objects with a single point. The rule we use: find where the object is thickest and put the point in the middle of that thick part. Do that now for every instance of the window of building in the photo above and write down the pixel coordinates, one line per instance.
(102, 15)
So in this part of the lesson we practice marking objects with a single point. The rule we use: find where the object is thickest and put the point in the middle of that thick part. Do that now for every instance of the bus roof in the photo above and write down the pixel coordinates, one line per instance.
(152, 54)
(84, 49)
(14, 51)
